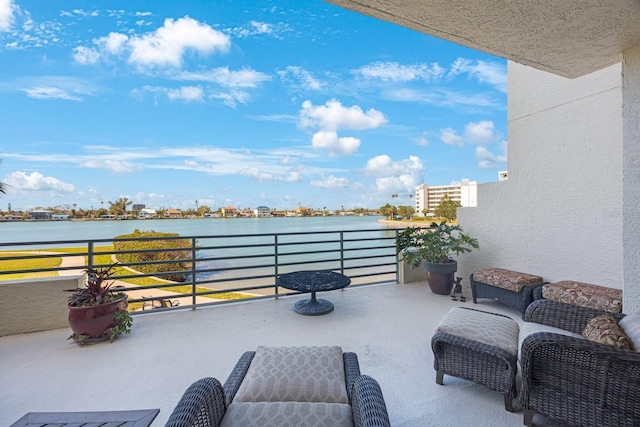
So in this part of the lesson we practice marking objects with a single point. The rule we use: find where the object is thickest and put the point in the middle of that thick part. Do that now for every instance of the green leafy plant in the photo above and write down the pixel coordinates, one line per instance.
(435, 244)
(123, 326)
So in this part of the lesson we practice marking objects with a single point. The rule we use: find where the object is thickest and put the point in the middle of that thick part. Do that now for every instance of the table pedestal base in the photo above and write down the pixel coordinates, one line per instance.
(313, 307)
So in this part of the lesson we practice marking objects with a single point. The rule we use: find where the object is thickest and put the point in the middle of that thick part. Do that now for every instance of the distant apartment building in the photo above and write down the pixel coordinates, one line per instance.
(138, 207)
(429, 197)
(262, 211)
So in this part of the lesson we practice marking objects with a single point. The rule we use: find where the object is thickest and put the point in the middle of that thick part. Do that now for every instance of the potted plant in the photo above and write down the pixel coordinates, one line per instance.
(97, 311)
(434, 246)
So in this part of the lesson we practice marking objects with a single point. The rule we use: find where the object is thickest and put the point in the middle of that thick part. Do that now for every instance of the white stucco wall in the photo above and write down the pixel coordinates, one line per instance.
(560, 213)
(631, 179)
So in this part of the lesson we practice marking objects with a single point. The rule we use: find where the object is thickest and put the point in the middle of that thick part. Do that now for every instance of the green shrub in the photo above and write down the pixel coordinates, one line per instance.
(158, 266)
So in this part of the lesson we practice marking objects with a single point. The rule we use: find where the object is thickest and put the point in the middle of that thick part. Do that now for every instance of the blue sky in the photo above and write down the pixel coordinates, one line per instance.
(241, 103)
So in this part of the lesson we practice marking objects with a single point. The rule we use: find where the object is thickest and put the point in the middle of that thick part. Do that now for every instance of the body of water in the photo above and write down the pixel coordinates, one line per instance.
(38, 231)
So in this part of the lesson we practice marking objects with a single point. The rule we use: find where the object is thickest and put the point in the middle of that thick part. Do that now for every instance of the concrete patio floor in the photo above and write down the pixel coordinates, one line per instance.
(389, 326)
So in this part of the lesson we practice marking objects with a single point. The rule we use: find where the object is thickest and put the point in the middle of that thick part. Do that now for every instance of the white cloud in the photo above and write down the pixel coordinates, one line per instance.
(262, 175)
(255, 28)
(395, 72)
(333, 116)
(330, 182)
(116, 166)
(482, 132)
(329, 140)
(7, 7)
(35, 181)
(86, 55)
(391, 177)
(450, 137)
(232, 98)
(186, 93)
(49, 92)
(489, 160)
(305, 78)
(245, 78)
(114, 43)
(492, 73)
(164, 47)
(422, 140)
(167, 45)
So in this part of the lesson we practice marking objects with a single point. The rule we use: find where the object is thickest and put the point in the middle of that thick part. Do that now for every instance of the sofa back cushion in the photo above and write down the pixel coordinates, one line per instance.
(604, 329)
(296, 374)
(631, 326)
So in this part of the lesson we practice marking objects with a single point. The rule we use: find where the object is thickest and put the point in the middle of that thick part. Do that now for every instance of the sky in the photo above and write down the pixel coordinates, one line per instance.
(237, 103)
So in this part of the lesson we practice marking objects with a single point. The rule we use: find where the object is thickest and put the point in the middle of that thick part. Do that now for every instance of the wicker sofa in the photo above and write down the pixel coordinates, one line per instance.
(575, 380)
(273, 388)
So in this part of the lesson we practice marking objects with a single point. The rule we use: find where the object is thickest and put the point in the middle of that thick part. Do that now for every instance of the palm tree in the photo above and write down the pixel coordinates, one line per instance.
(3, 186)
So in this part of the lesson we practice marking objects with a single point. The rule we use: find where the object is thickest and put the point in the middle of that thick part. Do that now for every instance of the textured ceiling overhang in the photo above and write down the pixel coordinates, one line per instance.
(570, 38)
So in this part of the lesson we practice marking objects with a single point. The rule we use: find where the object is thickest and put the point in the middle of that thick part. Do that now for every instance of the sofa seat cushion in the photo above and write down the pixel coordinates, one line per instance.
(481, 326)
(584, 295)
(604, 329)
(296, 374)
(528, 328)
(631, 326)
(506, 279)
(287, 414)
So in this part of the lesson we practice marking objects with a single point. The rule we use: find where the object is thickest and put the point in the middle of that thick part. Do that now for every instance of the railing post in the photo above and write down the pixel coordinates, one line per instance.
(90, 254)
(342, 252)
(193, 272)
(397, 260)
(275, 252)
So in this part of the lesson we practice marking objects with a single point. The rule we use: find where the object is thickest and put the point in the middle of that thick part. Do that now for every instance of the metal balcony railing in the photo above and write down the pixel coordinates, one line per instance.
(208, 269)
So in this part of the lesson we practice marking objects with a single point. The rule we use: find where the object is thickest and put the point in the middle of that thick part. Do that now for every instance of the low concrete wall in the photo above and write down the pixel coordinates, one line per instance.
(31, 305)
(411, 275)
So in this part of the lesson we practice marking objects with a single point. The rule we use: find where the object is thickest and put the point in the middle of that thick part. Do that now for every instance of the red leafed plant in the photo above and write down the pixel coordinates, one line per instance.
(97, 289)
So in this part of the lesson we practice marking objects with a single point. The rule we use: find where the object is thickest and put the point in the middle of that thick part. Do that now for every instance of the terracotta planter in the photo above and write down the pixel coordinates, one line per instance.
(93, 321)
(441, 276)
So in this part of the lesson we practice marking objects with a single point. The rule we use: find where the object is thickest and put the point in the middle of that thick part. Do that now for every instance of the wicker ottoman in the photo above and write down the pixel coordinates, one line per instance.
(512, 288)
(582, 294)
(478, 346)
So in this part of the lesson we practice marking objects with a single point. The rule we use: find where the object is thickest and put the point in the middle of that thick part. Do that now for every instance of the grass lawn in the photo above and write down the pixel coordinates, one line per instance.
(25, 264)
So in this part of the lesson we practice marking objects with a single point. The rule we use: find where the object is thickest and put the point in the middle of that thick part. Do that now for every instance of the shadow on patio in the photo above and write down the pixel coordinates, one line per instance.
(389, 326)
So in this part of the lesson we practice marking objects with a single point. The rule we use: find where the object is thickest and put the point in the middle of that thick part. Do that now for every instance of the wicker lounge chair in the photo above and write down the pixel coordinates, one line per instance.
(574, 380)
(206, 403)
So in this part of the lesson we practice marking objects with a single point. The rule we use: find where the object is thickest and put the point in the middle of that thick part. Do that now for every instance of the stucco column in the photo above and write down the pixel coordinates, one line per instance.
(631, 178)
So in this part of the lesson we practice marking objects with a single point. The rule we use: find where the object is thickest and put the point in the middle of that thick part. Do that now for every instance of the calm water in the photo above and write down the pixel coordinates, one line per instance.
(38, 231)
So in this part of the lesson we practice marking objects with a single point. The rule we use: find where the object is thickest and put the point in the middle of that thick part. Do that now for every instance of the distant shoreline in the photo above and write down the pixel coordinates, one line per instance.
(404, 224)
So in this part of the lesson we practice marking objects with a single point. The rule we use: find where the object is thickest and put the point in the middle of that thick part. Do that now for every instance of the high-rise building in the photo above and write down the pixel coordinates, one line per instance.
(429, 197)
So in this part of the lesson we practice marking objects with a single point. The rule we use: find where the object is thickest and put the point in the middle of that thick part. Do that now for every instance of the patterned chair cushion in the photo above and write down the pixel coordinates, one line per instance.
(481, 326)
(604, 329)
(287, 414)
(584, 295)
(631, 326)
(505, 279)
(297, 374)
